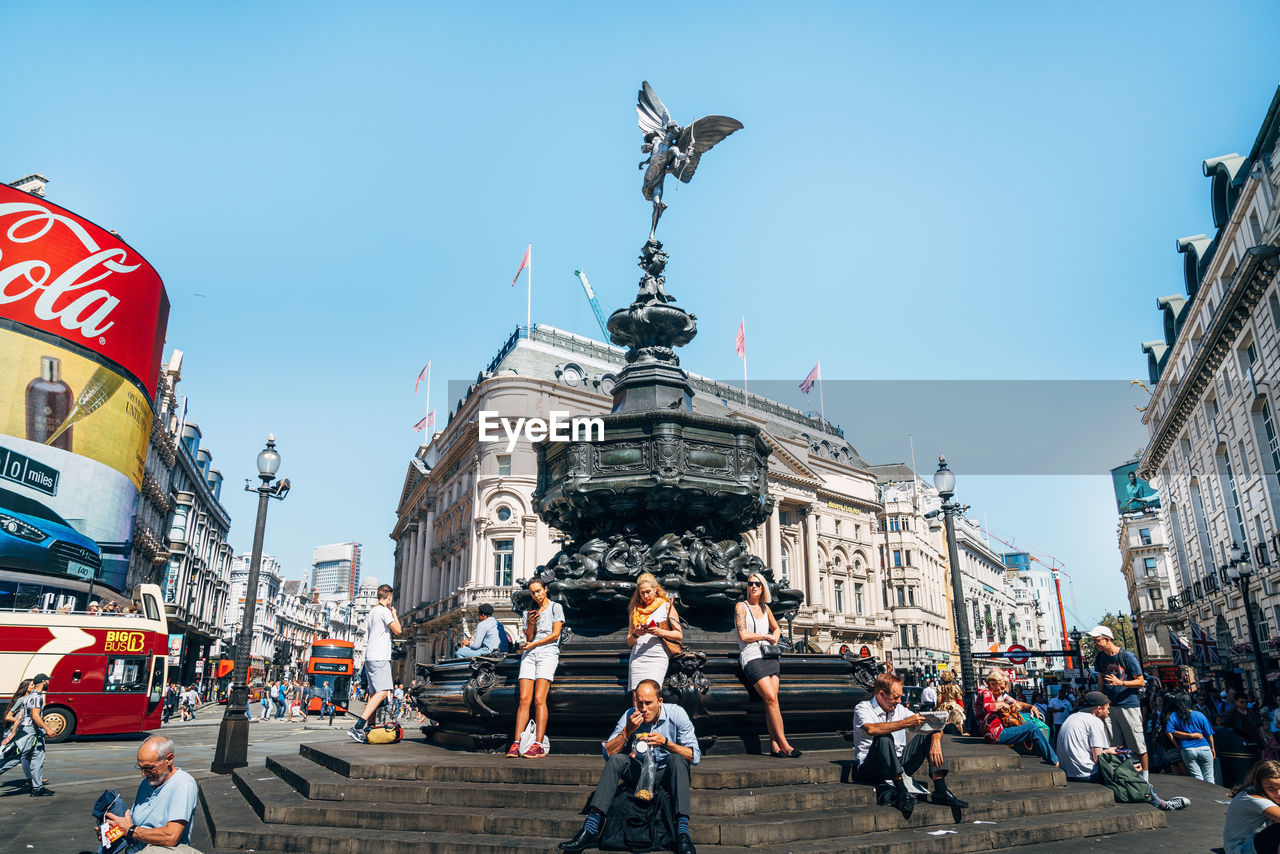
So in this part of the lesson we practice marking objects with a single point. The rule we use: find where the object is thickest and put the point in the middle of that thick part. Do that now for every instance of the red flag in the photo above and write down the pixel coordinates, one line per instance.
(524, 262)
(807, 385)
(428, 421)
(421, 425)
(740, 342)
(421, 376)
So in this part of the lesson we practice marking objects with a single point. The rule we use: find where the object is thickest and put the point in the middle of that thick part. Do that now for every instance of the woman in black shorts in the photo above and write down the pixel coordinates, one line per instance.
(757, 627)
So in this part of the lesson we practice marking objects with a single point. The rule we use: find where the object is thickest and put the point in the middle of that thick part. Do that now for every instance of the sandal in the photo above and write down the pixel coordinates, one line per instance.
(792, 754)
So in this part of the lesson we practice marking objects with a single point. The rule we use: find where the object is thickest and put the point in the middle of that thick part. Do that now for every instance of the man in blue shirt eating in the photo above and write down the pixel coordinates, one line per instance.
(166, 798)
(488, 639)
(669, 734)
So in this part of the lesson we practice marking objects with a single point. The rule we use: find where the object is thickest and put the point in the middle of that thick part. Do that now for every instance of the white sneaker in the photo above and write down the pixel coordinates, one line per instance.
(1178, 803)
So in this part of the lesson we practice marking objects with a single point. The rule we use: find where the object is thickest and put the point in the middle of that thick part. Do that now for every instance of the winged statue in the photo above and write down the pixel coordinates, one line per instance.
(672, 149)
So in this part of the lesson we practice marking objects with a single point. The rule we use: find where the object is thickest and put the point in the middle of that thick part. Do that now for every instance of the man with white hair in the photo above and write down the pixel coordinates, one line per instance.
(160, 820)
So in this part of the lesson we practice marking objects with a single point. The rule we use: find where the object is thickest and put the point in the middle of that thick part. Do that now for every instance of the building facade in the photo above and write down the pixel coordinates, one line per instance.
(335, 570)
(1213, 439)
(263, 647)
(466, 532)
(150, 553)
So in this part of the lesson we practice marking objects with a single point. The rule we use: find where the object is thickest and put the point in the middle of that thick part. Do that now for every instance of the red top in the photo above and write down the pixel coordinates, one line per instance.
(991, 716)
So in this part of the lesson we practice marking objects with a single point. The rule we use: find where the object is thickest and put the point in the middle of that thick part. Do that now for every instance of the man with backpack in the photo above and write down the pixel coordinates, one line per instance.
(1085, 755)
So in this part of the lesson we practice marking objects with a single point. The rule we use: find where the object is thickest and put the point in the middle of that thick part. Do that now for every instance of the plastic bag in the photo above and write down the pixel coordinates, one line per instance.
(648, 778)
(526, 739)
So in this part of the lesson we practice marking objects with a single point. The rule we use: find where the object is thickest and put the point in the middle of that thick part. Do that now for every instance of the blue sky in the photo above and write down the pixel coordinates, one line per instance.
(335, 195)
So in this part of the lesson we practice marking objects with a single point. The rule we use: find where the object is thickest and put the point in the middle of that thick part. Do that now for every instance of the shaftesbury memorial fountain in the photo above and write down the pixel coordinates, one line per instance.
(667, 491)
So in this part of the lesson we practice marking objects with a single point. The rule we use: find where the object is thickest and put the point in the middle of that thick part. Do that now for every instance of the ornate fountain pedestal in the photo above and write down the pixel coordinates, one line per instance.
(666, 491)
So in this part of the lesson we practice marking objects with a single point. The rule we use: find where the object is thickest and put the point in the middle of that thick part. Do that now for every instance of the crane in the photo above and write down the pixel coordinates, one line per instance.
(1055, 566)
(595, 303)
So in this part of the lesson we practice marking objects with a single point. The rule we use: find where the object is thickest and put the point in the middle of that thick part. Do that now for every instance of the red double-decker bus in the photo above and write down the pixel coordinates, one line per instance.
(332, 663)
(107, 670)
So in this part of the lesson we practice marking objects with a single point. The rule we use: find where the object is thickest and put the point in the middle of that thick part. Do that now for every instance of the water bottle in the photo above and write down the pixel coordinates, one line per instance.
(648, 772)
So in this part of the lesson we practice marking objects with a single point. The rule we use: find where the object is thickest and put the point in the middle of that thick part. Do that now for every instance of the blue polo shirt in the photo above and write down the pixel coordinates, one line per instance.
(1198, 725)
(172, 800)
(673, 723)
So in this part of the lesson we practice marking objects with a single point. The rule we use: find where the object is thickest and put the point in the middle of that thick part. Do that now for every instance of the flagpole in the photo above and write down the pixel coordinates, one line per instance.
(822, 405)
(427, 441)
(528, 317)
(745, 391)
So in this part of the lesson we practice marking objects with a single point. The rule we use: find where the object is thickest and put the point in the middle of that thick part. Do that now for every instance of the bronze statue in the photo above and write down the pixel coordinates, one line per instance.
(673, 149)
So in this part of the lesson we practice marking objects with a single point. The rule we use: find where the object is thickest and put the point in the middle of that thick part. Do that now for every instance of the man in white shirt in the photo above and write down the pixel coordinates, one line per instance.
(885, 756)
(1083, 738)
(377, 659)
(929, 698)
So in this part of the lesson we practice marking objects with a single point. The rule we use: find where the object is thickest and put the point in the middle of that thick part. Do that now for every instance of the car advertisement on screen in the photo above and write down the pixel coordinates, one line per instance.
(1133, 494)
(82, 321)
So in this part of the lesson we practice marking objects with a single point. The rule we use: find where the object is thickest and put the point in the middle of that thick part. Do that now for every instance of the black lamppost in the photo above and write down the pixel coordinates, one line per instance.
(233, 735)
(1078, 655)
(944, 480)
(1240, 571)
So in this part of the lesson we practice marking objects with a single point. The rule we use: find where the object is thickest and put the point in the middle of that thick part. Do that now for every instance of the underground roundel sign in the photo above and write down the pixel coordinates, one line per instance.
(1017, 654)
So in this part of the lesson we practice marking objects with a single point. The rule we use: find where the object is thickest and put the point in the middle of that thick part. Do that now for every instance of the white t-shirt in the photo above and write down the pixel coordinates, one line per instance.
(1081, 732)
(1059, 708)
(929, 696)
(871, 712)
(551, 615)
(1245, 817)
(376, 629)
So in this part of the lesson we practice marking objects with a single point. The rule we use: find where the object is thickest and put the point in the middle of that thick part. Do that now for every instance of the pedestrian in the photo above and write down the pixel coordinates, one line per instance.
(951, 701)
(24, 741)
(170, 702)
(379, 625)
(1120, 678)
(652, 625)
(758, 654)
(1003, 722)
(1245, 721)
(538, 661)
(1059, 707)
(265, 699)
(326, 700)
(296, 705)
(1192, 734)
(885, 757)
(1252, 820)
(1084, 738)
(929, 698)
(397, 707)
(282, 699)
(160, 818)
(190, 702)
(668, 732)
(488, 637)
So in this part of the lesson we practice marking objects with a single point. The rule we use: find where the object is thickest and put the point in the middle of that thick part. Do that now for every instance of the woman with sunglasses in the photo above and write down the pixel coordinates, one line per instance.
(757, 627)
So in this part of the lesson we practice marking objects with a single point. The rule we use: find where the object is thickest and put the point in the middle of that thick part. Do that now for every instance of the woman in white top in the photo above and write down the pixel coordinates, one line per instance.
(757, 627)
(1251, 826)
(653, 619)
(538, 661)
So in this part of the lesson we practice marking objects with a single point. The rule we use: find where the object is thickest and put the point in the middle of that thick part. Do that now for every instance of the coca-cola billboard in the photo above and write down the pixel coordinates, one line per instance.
(61, 274)
(82, 325)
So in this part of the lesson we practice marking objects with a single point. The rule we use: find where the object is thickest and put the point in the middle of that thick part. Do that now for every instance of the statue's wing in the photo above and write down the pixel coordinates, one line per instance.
(698, 138)
(651, 111)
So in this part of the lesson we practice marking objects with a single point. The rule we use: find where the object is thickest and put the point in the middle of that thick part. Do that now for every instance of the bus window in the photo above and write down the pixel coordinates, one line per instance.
(126, 674)
(149, 604)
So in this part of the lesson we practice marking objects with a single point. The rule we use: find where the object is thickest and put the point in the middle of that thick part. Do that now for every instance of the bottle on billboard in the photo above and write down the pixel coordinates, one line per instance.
(48, 405)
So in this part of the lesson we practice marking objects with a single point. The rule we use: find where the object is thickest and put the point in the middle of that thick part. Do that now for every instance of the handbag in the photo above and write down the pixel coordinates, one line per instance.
(673, 647)
(1010, 718)
(385, 734)
(770, 650)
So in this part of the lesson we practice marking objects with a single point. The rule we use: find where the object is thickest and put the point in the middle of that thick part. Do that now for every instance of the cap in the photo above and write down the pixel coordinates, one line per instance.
(1094, 699)
(1101, 632)
(41, 677)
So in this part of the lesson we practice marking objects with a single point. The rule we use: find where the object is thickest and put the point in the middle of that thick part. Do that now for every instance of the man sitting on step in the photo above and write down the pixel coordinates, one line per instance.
(886, 757)
(1083, 738)
(670, 736)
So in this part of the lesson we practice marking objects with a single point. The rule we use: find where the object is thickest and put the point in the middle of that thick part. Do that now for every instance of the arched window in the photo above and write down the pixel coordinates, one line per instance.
(786, 561)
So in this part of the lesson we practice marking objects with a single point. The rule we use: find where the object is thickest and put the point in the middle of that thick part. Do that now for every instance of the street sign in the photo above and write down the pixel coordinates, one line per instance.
(1017, 654)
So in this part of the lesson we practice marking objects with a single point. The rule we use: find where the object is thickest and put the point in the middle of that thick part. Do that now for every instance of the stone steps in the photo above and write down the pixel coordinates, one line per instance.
(340, 798)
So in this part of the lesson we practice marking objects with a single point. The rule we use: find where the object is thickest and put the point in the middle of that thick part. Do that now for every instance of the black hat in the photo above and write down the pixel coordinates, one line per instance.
(1094, 700)
(40, 677)
(485, 609)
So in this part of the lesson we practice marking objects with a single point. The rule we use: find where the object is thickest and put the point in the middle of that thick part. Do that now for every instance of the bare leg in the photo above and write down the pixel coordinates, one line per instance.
(767, 688)
(522, 706)
(540, 713)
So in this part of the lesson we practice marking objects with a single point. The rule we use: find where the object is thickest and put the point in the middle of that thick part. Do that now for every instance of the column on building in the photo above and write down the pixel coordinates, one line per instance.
(529, 548)
(420, 560)
(480, 551)
(774, 527)
(408, 546)
(811, 555)
(425, 562)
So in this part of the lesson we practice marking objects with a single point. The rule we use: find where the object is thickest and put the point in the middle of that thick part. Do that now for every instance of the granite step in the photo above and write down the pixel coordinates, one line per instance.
(316, 782)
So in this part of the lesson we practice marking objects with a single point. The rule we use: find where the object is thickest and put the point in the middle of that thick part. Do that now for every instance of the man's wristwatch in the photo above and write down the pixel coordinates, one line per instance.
(129, 835)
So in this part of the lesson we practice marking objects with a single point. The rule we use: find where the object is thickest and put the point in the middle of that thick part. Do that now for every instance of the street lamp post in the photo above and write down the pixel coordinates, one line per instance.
(232, 750)
(1240, 570)
(944, 480)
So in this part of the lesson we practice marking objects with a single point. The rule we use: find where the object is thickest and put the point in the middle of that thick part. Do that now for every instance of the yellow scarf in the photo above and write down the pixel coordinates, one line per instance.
(640, 616)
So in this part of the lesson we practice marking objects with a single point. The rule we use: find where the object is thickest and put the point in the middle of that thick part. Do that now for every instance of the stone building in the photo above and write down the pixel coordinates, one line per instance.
(335, 570)
(263, 648)
(466, 530)
(1002, 608)
(1213, 439)
(150, 553)
(1149, 581)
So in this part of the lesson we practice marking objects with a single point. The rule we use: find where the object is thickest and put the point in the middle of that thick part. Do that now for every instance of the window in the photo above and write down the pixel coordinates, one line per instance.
(178, 528)
(504, 513)
(884, 593)
(1269, 427)
(893, 523)
(902, 636)
(902, 596)
(1244, 461)
(915, 635)
(504, 465)
(1149, 566)
(839, 591)
(1274, 302)
(857, 599)
(837, 525)
(911, 595)
(126, 675)
(786, 561)
(1144, 536)
(908, 557)
(503, 559)
(1157, 600)
(897, 557)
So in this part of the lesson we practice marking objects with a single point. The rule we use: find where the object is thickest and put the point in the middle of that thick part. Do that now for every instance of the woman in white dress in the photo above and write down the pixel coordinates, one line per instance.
(653, 619)
(757, 627)
(538, 661)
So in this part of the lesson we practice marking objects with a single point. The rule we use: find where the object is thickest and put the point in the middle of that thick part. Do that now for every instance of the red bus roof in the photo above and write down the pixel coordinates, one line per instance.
(332, 642)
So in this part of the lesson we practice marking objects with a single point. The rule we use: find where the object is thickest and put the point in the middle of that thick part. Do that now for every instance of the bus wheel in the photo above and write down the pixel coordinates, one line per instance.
(60, 722)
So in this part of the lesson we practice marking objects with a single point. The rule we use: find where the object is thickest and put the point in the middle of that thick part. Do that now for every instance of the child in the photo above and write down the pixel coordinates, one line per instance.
(1251, 826)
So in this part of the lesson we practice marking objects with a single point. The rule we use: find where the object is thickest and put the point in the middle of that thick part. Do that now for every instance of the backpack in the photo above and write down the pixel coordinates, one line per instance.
(634, 826)
(385, 734)
(1122, 777)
